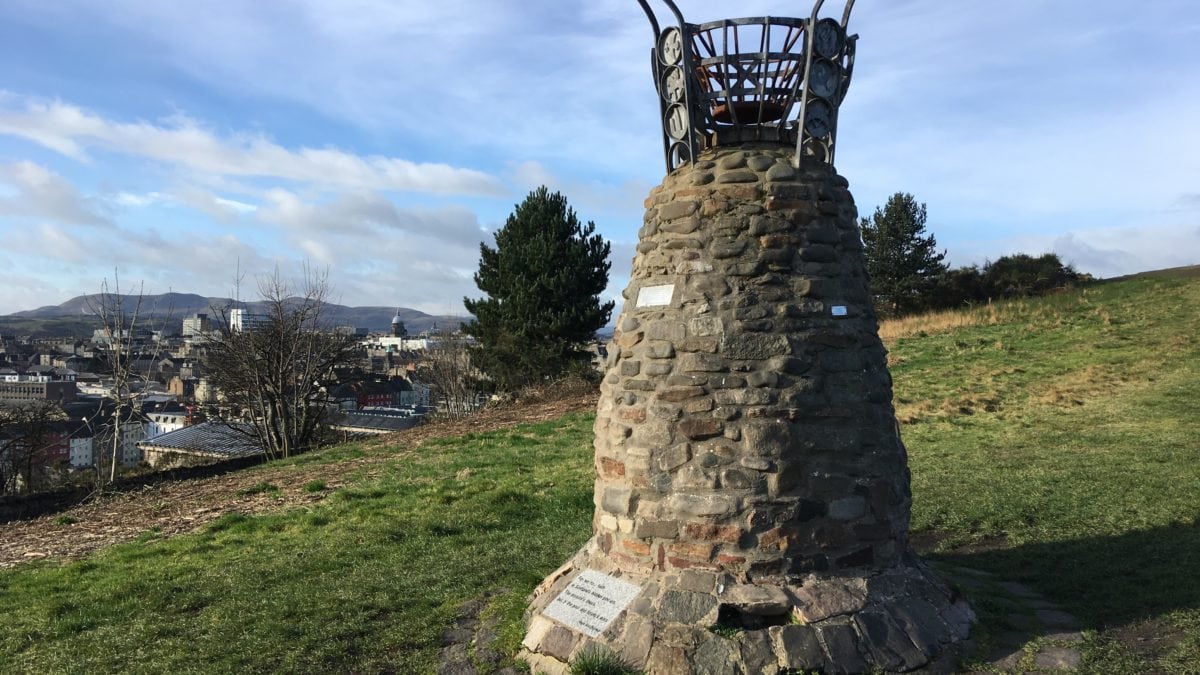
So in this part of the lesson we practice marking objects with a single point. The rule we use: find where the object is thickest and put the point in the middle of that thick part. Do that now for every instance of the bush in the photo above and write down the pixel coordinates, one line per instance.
(1010, 276)
(1021, 275)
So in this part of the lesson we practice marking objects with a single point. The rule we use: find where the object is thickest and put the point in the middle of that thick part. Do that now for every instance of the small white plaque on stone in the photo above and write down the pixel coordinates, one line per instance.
(591, 601)
(653, 296)
(838, 310)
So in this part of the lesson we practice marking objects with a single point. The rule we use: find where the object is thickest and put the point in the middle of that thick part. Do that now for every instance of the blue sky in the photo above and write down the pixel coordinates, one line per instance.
(175, 142)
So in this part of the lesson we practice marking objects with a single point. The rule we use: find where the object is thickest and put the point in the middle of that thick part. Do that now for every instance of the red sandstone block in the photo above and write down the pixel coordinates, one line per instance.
(624, 561)
(708, 531)
(741, 192)
(685, 564)
(637, 415)
(611, 468)
(635, 546)
(770, 539)
(693, 550)
(731, 559)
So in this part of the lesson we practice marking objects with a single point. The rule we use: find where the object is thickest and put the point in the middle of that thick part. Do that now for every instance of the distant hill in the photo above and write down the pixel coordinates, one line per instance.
(77, 317)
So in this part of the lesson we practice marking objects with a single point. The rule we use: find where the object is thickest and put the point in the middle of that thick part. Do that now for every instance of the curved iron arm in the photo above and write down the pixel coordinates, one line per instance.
(650, 15)
(846, 13)
(675, 11)
(816, 10)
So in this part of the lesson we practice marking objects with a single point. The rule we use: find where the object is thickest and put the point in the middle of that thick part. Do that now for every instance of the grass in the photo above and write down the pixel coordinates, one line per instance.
(600, 661)
(366, 581)
(1052, 441)
(1060, 446)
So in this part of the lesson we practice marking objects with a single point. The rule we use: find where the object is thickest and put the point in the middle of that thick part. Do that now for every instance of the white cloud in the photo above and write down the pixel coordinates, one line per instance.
(182, 141)
(137, 200)
(359, 213)
(1102, 252)
(38, 192)
(223, 209)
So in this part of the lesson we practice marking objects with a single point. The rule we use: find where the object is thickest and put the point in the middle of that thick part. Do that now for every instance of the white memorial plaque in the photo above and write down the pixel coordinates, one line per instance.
(838, 310)
(591, 601)
(653, 296)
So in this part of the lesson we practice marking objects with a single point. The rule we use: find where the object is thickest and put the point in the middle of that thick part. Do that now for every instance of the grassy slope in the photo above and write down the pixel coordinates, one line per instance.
(1053, 441)
(1060, 445)
(365, 581)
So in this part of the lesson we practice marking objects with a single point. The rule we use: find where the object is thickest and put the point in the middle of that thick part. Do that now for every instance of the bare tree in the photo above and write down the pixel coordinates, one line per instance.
(447, 368)
(122, 317)
(25, 437)
(272, 368)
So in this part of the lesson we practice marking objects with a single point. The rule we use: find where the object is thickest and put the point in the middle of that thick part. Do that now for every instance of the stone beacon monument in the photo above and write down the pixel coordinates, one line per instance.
(752, 491)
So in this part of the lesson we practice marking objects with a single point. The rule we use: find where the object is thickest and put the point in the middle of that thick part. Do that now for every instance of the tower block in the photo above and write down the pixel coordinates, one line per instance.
(752, 491)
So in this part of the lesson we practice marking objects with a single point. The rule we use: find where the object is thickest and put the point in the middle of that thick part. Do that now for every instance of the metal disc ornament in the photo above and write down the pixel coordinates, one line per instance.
(677, 122)
(679, 155)
(670, 47)
(818, 118)
(828, 38)
(824, 78)
(673, 84)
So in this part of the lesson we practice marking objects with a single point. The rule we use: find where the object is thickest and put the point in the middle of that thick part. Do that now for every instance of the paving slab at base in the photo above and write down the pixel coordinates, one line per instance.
(901, 619)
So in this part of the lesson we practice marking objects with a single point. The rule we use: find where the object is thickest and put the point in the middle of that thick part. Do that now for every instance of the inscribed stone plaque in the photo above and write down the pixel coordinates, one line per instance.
(652, 296)
(591, 601)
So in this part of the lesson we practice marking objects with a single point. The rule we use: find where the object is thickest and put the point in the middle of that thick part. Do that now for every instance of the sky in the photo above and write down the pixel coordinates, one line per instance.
(176, 145)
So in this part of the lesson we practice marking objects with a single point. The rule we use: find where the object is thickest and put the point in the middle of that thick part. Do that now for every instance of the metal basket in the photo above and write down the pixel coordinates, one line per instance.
(751, 80)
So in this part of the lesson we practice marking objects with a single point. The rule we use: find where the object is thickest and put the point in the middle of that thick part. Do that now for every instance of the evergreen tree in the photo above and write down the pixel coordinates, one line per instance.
(902, 260)
(543, 282)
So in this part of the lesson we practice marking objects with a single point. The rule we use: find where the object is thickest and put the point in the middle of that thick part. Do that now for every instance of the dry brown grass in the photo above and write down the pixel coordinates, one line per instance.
(945, 321)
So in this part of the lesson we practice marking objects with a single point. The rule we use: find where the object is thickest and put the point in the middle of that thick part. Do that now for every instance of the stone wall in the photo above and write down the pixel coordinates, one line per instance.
(750, 479)
(747, 425)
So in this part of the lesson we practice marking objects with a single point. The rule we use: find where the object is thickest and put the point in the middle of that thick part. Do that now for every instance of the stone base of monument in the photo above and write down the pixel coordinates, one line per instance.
(900, 619)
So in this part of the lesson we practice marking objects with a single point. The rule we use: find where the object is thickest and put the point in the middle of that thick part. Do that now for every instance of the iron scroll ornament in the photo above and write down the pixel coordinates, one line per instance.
(756, 79)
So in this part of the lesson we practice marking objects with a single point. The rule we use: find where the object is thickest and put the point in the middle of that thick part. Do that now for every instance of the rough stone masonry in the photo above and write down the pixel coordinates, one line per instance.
(751, 480)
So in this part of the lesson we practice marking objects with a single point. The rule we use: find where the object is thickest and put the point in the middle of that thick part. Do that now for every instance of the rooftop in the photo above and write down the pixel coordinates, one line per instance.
(208, 438)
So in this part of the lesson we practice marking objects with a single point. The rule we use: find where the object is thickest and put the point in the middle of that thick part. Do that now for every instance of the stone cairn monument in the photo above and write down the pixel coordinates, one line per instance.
(752, 491)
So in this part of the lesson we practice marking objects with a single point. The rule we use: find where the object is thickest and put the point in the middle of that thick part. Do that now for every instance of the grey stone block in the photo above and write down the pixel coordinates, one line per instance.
(840, 643)
(686, 607)
(797, 648)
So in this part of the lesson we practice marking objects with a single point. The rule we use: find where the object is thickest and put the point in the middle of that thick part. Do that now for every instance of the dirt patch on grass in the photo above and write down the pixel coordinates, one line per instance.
(1150, 640)
(926, 542)
(170, 508)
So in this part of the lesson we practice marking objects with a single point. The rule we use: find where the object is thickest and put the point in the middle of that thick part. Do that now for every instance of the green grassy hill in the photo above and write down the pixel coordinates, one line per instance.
(1053, 441)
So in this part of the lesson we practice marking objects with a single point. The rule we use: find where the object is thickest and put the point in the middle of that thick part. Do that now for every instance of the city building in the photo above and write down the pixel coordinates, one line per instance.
(197, 325)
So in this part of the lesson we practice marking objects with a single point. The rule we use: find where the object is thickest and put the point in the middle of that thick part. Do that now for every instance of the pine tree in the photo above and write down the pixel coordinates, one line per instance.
(543, 282)
(903, 262)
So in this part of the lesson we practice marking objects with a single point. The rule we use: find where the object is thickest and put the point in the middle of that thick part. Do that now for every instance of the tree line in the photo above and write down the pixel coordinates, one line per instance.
(909, 275)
